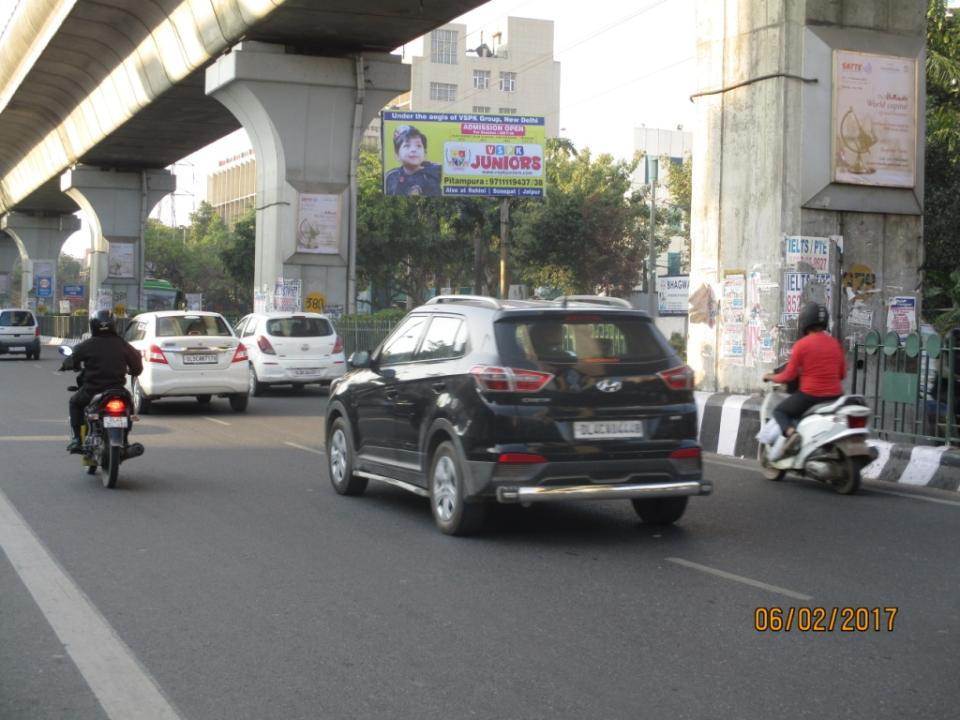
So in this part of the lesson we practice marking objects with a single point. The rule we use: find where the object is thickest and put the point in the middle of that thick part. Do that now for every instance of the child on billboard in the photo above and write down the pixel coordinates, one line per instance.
(416, 175)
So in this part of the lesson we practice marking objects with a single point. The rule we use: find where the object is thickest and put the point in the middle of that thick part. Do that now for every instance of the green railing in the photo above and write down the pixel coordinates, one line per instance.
(911, 384)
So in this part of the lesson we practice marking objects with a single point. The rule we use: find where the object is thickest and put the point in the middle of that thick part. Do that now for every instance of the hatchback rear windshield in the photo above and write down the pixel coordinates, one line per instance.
(16, 318)
(205, 325)
(298, 327)
(578, 339)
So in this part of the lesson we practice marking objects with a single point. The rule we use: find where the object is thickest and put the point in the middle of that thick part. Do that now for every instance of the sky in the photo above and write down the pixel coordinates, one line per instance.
(626, 64)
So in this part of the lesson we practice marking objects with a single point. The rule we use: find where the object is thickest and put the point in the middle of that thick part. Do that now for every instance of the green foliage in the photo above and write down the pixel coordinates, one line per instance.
(680, 185)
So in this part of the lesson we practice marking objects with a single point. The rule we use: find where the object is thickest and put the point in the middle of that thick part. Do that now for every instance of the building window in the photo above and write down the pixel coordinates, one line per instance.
(508, 111)
(481, 79)
(481, 109)
(443, 47)
(445, 92)
(508, 81)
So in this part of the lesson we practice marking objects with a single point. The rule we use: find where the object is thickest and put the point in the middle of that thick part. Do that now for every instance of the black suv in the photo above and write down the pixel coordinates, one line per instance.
(472, 400)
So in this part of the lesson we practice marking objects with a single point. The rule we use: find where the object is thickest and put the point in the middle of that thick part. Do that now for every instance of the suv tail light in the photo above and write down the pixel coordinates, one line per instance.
(688, 459)
(265, 347)
(688, 453)
(503, 379)
(241, 354)
(520, 459)
(155, 355)
(36, 333)
(115, 406)
(338, 345)
(678, 378)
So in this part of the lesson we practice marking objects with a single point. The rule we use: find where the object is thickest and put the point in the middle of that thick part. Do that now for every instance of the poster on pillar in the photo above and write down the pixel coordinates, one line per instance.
(120, 260)
(318, 224)
(875, 103)
(44, 272)
(732, 317)
(453, 154)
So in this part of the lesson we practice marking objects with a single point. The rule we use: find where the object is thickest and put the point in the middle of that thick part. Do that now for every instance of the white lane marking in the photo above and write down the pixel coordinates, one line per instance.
(32, 438)
(740, 579)
(123, 686)
(873, 470)
(923, 465)
(308, 449)
(730, 424)
(214, 420)
(742, 465)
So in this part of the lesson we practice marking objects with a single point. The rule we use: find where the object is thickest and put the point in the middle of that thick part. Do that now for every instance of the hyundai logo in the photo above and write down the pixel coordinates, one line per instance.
(609, 386)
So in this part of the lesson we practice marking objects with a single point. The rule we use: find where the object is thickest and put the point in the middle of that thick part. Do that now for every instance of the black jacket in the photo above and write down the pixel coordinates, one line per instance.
(106, 360)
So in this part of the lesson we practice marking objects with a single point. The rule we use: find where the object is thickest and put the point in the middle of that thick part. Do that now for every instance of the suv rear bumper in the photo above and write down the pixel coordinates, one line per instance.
(627, 491)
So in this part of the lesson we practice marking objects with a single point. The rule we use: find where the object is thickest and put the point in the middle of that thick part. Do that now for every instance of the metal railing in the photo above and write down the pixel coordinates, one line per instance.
(72, 326)
(911, 384)
(363, 334)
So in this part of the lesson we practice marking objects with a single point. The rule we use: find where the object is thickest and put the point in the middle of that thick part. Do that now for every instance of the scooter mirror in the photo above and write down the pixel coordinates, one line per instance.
(65, 350)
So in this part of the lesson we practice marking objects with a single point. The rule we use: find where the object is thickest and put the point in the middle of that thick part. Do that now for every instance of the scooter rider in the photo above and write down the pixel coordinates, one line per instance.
(106, 359)
(818, 360)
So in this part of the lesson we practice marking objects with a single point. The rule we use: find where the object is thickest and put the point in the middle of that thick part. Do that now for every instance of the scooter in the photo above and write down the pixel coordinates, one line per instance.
(834, 447)
(108, 419)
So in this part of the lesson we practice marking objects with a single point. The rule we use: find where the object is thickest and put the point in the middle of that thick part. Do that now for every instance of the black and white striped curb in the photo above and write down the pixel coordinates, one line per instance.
(51, 341)
(729, 424)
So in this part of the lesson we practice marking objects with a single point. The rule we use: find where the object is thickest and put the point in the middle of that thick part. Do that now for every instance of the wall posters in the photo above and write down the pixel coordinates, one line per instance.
(732, 307)
(453, 154)
(288, 295)
(120, 260)
(318, 224)
(673, 295)
(874, 119)
(902, 315)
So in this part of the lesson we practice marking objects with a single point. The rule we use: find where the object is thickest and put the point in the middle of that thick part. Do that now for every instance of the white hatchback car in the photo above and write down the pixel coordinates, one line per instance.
(288, 348)
(187, 354)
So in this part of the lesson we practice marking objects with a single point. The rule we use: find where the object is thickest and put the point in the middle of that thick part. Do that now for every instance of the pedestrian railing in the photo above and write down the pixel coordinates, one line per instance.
(911, 384)
(361, 334)
(72, 327)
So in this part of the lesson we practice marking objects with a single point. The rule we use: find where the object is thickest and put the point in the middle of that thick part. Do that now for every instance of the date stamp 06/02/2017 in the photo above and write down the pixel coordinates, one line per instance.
(824, 619)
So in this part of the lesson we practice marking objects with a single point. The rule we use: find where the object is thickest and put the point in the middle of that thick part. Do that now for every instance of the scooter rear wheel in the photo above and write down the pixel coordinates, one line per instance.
(850, 482)
(769, 472)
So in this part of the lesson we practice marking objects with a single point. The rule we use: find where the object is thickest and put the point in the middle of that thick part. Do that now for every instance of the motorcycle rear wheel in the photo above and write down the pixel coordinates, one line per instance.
(110, 465)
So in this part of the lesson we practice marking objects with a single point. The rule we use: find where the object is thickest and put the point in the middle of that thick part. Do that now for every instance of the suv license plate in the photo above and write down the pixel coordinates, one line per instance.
(608, 429)
(114, 422)
(16, 348)
(200, 359)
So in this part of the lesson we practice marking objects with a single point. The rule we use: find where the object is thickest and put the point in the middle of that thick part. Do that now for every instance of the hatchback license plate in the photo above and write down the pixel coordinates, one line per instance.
(200, 359)
(608, 429)
(306, 371)
(114, 422)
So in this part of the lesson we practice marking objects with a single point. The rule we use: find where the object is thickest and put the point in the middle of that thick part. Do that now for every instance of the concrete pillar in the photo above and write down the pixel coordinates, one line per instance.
(299, 113)
(116, 205)
(39, 239)
(9, 257)
(764, 163)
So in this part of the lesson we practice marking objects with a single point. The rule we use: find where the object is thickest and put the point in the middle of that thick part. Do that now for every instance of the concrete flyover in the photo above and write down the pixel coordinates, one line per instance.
(120, 85)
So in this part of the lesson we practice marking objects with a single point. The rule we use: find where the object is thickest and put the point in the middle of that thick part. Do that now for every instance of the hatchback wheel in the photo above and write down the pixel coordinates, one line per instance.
(453, 515)
(238, 402)
(340, 461)
(255, 387)
(141, 404)
(661, 511)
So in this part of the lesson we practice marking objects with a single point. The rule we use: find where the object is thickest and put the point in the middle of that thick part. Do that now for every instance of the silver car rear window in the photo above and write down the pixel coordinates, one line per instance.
(16, 318)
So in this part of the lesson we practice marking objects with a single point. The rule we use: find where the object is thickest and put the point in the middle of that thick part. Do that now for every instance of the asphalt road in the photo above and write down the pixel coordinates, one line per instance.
(225, 579)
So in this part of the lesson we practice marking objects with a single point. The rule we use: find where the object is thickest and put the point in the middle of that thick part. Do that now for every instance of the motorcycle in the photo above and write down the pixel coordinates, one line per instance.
(108, 419)
(834, 447)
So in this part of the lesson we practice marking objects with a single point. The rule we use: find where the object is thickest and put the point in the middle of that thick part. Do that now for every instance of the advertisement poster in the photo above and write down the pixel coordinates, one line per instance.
(287, 295)
(73, 291)
(874, 119)
(902, 316)
(795, 291)
(120, 260)
(43, 275)
(812, 252)
(318, 224)
(732, 305)
(453, 154)
(104, 300)
(673, 294)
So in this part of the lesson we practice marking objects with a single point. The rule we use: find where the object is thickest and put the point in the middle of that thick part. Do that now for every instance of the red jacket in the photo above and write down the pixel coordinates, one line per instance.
(818, 360)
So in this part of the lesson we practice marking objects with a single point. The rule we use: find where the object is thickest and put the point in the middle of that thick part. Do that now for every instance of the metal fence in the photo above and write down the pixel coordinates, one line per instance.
(911, 384)
(360, 334)
(72, 326)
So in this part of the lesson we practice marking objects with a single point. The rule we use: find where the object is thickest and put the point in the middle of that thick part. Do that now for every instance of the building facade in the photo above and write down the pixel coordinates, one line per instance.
(232, 187)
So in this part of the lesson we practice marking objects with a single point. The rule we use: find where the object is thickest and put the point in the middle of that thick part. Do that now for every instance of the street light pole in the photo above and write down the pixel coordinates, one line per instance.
(652, 298)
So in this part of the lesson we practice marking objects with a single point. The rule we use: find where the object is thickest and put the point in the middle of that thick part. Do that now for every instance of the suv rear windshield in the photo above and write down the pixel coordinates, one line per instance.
(16, 318)
(180, 325)
(297, 327)
(577, 339)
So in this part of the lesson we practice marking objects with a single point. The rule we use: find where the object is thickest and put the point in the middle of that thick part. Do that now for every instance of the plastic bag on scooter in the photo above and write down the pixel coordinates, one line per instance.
(769, 433)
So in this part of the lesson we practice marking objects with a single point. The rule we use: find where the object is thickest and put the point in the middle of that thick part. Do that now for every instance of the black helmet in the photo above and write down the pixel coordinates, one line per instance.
(813, 315)
(103, 323)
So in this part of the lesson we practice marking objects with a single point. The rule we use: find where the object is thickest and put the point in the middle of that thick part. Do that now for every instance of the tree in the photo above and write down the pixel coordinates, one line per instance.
(238, 256)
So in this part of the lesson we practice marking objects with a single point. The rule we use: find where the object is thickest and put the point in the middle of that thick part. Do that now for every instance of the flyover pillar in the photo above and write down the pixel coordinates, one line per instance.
(40, 238)
(807, 175)
(9, 256)
(117, 204)
(301, 113)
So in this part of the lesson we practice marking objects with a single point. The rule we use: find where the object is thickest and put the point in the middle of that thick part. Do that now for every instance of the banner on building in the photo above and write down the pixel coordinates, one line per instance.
(673, 295)
(451, 154)
(318, 224)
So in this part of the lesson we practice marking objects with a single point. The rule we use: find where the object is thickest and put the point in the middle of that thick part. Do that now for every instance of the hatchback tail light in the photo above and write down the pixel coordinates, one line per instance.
(678, 378)
(155, 355)
(115, 406)
(338, 345)
(504, 379)
(241, 354)
(520, 459)
(265, 347)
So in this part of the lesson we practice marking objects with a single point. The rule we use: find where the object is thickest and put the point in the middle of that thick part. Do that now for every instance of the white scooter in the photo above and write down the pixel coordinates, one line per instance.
(834, 449)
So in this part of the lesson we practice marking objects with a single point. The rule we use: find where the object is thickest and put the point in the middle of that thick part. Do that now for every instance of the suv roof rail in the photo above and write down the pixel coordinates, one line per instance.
(441, 299)
(594, 300)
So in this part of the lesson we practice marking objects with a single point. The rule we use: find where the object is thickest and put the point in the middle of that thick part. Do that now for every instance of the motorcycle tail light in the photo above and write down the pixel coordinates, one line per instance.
(856, 422)
(241, 354)
(115, 406)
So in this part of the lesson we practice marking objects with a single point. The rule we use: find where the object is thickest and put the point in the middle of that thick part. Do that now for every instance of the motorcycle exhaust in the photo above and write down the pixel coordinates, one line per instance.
(133, 450)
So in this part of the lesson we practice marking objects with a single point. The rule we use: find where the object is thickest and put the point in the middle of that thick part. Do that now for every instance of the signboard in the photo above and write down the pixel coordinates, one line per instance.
(902, 316)
(64, 307)
(453, 154)
(43, 276)
(874, 119)
(194, 301)
(318, 224)
(73, 291)
(120, 260)
(673, 294)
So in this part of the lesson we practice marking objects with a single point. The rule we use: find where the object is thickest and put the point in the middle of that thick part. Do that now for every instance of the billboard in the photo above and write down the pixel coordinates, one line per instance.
(453, 154)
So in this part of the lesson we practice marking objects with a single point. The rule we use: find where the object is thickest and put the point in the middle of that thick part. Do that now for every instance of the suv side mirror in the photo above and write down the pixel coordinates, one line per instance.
(359, 359)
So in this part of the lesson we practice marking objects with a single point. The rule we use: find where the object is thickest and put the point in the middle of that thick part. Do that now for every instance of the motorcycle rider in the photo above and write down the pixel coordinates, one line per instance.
(106, 359)
(817, 359)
